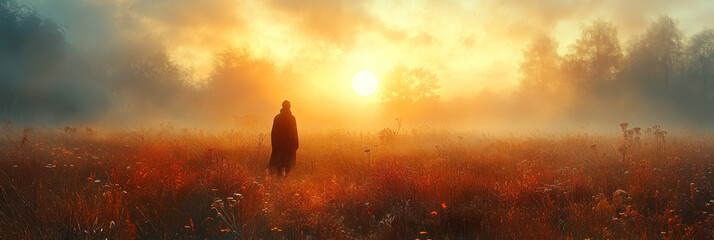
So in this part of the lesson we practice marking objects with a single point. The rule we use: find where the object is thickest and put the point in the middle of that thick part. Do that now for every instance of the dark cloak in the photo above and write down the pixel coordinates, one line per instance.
(284, 140)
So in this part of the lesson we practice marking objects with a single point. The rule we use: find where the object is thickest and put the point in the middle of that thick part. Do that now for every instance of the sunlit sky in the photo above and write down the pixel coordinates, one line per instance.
(469, 45)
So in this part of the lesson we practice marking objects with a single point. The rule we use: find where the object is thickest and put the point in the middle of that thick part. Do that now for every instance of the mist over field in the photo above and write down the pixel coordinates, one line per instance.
(207, 64)
(425, 119)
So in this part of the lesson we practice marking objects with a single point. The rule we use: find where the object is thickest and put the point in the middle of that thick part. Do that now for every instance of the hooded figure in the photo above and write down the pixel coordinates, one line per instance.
(284, 140)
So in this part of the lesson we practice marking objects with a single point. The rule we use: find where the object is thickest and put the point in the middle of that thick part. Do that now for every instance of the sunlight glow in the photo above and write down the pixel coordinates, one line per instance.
(364, 83)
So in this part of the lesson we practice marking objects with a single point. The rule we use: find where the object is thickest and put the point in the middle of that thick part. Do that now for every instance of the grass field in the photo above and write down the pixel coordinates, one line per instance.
(421, 183)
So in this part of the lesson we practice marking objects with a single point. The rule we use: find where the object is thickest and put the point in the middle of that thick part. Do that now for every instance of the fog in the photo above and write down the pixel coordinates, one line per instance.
(108, 64)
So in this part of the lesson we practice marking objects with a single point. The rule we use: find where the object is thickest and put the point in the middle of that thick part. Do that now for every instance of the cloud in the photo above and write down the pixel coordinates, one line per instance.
(536, 17)
(124, 59)
(338, 22)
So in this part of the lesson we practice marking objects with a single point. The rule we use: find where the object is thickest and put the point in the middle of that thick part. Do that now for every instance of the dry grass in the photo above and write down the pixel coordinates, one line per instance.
(424, 183)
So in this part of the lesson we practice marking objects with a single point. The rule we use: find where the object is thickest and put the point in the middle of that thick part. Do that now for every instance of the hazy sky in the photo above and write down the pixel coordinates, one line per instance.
(470, 45)
(120, 61)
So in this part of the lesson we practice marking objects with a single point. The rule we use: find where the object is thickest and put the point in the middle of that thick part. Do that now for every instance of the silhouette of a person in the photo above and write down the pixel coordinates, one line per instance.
(284, 140)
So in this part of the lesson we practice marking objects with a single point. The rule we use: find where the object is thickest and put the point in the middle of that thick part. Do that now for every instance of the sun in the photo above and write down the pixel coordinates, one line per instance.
(364, 83)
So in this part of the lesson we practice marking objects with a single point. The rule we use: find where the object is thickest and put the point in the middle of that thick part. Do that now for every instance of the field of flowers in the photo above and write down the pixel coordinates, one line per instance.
(421, 183)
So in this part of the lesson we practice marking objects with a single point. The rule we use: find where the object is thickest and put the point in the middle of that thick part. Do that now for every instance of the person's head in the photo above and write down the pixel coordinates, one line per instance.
(286, 104)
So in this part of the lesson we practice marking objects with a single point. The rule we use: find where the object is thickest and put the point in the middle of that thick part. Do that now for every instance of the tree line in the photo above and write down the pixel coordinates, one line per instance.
(660, 73)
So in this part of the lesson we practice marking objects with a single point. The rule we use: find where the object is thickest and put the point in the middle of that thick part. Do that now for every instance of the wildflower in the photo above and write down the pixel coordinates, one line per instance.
(97, 181)
(603, 207)
(422, 232)
(433, 213)
(624, 126)
(443, 205)
(619, 197)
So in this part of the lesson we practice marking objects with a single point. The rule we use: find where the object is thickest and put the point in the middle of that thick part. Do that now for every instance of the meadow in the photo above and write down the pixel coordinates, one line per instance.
(419, 183)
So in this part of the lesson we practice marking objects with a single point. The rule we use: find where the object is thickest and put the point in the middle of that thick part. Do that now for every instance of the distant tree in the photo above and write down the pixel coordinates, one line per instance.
(657, 57)
(239, 84)
(695, 87)
(700, 62)
(405, 85)
(33, 57)
(540, 69)
(152, 79)
(237, 75)
(596, 56)
(409, 92)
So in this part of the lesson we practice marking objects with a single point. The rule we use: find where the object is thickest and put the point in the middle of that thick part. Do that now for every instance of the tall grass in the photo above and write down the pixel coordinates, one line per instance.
(423, 183)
